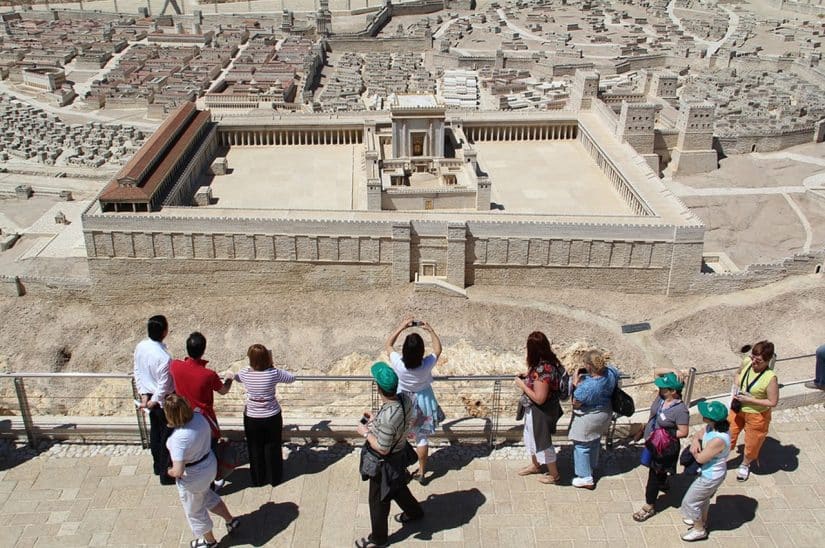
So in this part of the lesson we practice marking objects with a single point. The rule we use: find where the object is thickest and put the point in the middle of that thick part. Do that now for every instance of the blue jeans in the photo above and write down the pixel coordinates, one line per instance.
(820, 365)
(586, 457)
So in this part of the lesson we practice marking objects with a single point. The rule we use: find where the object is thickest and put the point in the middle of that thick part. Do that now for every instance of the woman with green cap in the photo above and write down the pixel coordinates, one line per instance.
(385, 433)
(669, 418)
(710, 447)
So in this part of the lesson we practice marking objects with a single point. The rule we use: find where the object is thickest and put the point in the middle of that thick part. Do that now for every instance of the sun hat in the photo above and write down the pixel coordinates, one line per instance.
(715, 410)
(384, 376)
(670, 381)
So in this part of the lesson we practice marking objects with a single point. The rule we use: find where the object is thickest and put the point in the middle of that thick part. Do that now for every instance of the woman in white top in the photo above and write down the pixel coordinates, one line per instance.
(263, 422)
(710, 447)
(194, 466)
(415, 377)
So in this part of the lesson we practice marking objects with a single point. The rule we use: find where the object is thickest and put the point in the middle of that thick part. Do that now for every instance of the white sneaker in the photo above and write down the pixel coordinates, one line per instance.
(743, 473)
(694, 535)
(585, 483)
(688, 522)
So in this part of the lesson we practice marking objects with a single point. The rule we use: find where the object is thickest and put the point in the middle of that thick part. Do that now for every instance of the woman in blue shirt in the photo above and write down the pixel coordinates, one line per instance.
(592, 412)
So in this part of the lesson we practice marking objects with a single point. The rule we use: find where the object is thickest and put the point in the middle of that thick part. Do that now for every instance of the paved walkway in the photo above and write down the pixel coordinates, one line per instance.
(478, 500)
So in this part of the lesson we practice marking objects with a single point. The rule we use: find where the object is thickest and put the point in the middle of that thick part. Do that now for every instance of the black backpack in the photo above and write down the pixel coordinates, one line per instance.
(621, 402)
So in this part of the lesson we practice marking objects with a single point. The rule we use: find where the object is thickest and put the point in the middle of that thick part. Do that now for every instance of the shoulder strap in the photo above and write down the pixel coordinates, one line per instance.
(744, 378)
(756, 380)
(403, 433)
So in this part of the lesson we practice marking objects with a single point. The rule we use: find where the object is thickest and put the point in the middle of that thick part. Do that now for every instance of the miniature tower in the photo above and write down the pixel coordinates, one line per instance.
(694, 148)
(585, 89)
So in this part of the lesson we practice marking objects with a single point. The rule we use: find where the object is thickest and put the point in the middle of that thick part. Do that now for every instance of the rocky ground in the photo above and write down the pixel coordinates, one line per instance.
(342, 333)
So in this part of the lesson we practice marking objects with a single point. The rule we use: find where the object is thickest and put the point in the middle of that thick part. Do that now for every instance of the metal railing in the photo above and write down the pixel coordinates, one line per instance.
(485, 403)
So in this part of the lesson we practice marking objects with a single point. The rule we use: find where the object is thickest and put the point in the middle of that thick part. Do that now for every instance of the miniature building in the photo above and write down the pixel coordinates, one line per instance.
(44, 78)
(378, 200)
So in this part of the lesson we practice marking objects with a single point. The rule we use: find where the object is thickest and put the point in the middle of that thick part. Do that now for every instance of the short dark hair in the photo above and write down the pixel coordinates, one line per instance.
(721, 426)
(196, 345)
(413, 351)
(386, 394)
(156, 327)
(763, 349)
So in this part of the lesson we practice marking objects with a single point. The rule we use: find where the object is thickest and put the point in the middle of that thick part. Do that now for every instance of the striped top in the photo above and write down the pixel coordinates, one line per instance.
(260, 390)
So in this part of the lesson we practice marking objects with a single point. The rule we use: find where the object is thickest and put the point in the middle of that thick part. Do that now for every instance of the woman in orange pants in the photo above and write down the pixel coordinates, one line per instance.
(757, 394)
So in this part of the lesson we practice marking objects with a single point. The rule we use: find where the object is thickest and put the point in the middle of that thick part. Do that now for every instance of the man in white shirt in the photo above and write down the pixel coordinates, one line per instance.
(154, 383)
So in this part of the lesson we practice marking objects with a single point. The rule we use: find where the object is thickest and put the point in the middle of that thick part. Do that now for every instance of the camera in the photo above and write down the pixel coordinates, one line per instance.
(364, 419)
(416, 323)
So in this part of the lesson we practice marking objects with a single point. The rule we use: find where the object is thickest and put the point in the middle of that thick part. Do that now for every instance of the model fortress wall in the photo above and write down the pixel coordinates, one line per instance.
(423, 184)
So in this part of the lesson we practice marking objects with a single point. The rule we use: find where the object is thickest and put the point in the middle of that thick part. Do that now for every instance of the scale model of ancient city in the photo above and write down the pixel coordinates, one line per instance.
(653, 146)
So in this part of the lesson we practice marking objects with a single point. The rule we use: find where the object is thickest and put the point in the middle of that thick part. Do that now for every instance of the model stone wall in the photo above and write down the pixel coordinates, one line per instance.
(385, 45)
(166, 279)
(770, 142)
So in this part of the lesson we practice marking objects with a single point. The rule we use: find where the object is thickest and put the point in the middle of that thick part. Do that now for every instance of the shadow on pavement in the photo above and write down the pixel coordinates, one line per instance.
(453, 457)
(773, 457)
(259, 527)
(442, 512)
(730, 512)
(13, 453)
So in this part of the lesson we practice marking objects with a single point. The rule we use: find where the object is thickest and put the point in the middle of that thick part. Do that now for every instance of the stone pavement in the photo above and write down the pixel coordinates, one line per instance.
(475, 500)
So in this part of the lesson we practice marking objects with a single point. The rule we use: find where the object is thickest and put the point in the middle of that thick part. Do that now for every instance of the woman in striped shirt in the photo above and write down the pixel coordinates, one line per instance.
(262, 420)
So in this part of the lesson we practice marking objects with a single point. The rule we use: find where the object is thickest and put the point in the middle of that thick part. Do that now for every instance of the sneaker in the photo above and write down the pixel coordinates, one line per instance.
(217, 485)
(584, 483)
(743, 473)
(694, 534)
(814, 386)
(688, 522)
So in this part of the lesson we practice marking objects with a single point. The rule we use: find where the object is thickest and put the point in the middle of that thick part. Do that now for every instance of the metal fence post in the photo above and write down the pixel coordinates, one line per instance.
(141, 418)
(373, 397)
(496, 404)
(25, 412)
(691, 378)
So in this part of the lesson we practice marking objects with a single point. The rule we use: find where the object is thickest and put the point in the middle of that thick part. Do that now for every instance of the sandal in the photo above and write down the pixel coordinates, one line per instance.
(202, 543)
(365, 542)
(644, 515)
(232, 525)
(529, 470)
(547, 479)
(403, 518)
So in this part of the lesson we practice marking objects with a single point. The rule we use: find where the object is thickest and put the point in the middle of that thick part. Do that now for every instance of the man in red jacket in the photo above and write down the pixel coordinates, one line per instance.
(197, 384)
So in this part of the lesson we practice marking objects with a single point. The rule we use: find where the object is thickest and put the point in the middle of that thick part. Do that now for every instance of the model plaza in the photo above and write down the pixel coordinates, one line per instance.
(540, 169)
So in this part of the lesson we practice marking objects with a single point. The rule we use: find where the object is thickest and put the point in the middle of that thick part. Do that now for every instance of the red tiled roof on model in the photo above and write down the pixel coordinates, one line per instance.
(137, 180)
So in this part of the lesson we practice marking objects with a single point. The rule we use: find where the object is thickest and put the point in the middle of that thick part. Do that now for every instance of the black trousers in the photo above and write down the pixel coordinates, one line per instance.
(263, 443)
(380, 509)
(159, 432)
(656, 481)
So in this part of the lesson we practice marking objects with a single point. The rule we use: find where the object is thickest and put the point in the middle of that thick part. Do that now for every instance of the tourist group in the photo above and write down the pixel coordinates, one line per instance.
(179, 398)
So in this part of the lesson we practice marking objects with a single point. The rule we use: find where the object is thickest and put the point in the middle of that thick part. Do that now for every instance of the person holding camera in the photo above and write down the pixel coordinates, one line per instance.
(540, 387)
(415, 378)
(756, 392)
(710, 447)
(263, 422)
(385, 434)
(668, 421)
(592, 411)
